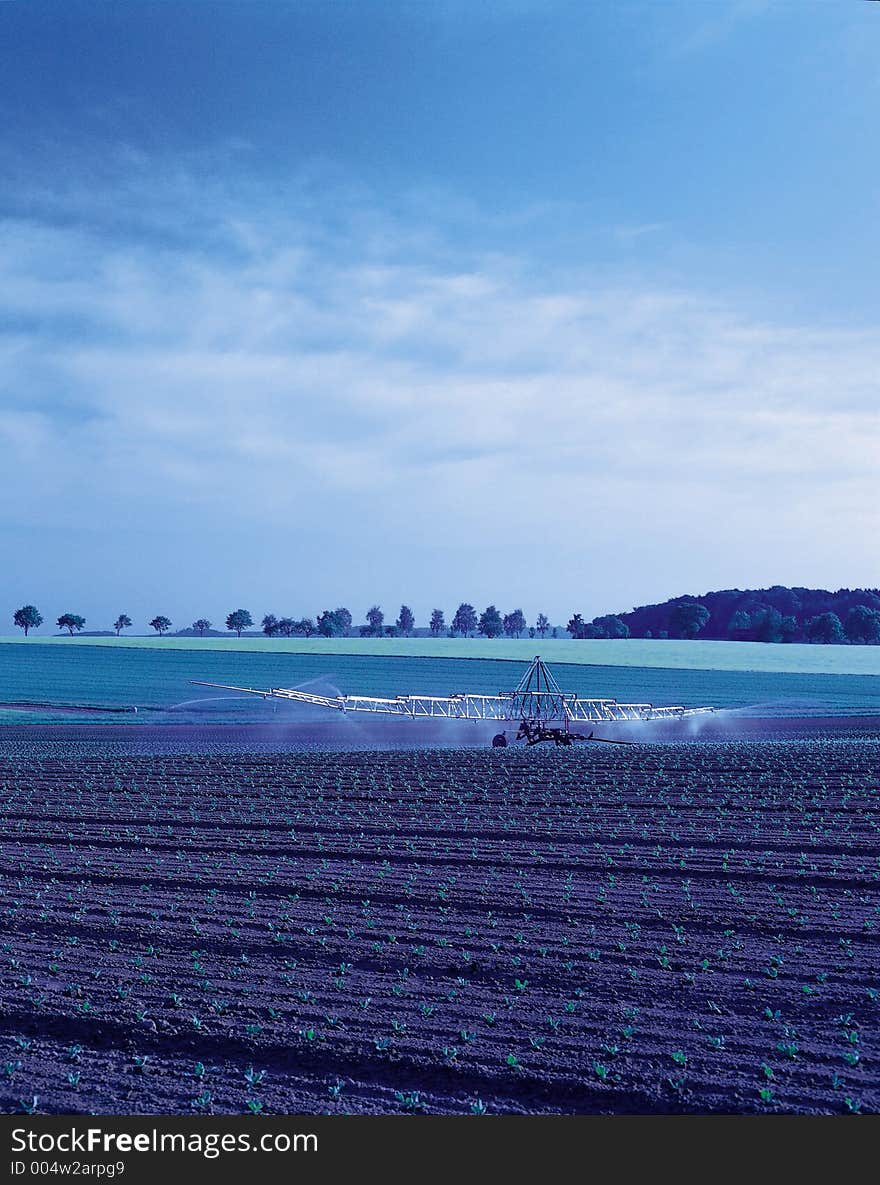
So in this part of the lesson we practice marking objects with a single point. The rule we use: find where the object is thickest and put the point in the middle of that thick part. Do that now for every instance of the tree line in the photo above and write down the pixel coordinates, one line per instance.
(330, 623)
(777, 614)
(28, 618)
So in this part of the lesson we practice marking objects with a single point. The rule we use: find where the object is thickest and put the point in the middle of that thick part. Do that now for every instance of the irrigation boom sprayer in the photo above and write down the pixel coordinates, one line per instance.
(544, 712)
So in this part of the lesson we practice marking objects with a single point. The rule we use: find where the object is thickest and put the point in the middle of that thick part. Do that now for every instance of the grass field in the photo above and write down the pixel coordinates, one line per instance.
(157, 679)
(634, 652)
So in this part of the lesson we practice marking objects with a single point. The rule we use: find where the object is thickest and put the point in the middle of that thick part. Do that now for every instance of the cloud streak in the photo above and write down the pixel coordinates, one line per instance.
(279, 364)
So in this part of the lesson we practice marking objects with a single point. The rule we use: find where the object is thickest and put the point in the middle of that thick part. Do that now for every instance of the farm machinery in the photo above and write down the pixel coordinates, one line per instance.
(542, 710)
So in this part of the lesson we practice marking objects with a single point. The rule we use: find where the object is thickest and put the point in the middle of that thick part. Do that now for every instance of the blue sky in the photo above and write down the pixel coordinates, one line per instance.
(567, 306)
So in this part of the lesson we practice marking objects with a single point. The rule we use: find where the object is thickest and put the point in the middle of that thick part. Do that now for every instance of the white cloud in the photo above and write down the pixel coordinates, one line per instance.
(715, 23)
(266, 374)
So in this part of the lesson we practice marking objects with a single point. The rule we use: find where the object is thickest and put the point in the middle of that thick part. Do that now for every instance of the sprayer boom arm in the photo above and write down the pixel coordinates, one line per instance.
(536, 697)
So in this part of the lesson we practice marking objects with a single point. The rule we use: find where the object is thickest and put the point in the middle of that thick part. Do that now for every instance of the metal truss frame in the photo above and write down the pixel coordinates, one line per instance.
(537, 696)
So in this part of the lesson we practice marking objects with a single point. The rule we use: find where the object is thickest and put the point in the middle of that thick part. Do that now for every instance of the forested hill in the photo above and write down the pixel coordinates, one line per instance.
(775, 614)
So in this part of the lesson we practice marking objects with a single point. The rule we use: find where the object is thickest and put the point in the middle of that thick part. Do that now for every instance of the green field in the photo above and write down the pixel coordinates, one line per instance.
(633, 652)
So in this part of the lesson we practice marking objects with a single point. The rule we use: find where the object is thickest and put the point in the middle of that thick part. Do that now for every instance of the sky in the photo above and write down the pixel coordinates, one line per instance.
(560, 306)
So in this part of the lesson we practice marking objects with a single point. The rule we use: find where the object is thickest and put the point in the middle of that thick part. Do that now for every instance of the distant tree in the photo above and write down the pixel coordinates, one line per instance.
(542, 624)
(532, 631)
(390, 631)
(161, 624)
(862, 625)
(405, 621)
(555, 633)
(687, 619)
(739, 625)
(270, 625)
(285, 626)
(576, 626)
(327, 623)
(375, 621)
(239, 620)
(825, 628)
(465, 620)
(28, 618)
(333, 623)
(122, 622)
(514, 623)
(438, 625)
(789, 627)
(491, 623)
(610, 626)
(201, 626)
(72, 622)
(304, 626)
(767, 625)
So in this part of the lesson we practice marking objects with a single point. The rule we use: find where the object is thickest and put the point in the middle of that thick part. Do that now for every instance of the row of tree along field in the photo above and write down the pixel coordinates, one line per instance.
(776, 614)
(331, 623)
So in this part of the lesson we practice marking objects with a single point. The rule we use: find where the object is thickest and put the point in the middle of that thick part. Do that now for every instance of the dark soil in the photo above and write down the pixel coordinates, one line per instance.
(191, 927)
(334, 732)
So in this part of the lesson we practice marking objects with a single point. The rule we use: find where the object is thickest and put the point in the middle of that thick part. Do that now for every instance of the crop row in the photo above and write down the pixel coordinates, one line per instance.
(651, 928)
